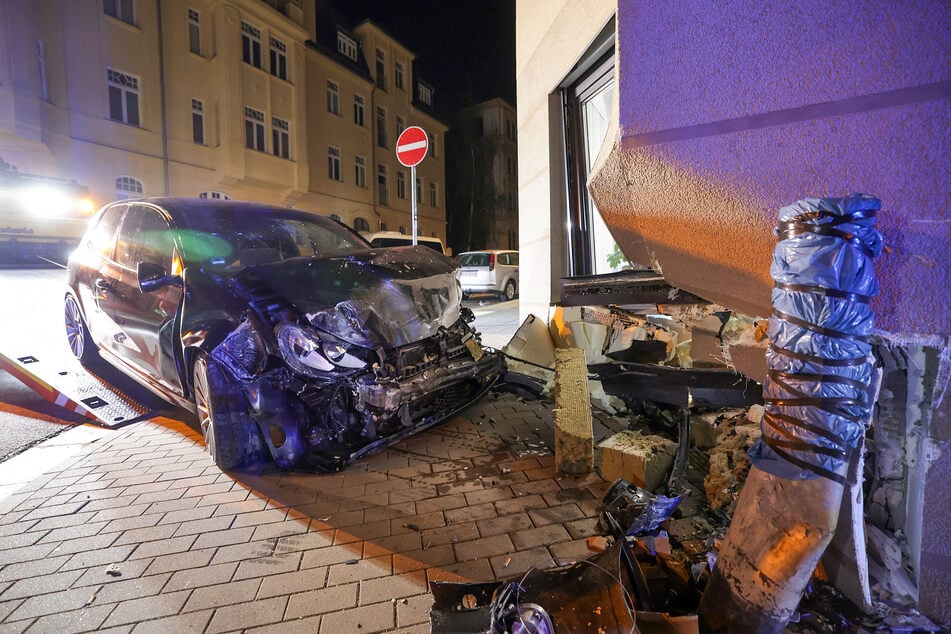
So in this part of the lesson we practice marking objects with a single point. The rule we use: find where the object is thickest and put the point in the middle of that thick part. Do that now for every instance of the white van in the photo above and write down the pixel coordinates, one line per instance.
(397, 239)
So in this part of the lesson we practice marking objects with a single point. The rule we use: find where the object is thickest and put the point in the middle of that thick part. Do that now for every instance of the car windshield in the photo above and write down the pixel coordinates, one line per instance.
(474, 259)
(233, 237)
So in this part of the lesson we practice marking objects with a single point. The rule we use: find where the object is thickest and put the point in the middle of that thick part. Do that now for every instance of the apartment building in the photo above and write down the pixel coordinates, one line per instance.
(273, 101)
(485, 132)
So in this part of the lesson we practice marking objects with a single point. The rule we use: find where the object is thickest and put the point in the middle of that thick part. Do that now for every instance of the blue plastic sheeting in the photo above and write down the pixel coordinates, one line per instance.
(819, 360)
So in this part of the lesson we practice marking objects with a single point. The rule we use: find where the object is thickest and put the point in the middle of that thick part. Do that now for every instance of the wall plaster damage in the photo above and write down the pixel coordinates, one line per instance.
(908, 444)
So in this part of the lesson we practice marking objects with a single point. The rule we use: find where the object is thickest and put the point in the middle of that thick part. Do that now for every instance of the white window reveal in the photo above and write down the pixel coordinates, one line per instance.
(333, 163)
(194, 31)
(251, 45)
(120, 10)
(278, 58)
(123, 97)
(333, 97)
(281, 137)
(359, 110)
(198, 121)
(346, 45)
(254, 129)
(360, 171)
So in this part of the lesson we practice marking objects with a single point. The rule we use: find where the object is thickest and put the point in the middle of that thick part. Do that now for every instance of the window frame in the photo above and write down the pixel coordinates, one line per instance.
(277, 56)
(128, 187)
(333, 97)
(254, 129)
(251, 45)
(124, 86)
(280, 137)
(198, 121)
(119, 10)
(346, 44)
(359, 110)
(383, 194)
(360, 171)
(194, 31)
(333, 164)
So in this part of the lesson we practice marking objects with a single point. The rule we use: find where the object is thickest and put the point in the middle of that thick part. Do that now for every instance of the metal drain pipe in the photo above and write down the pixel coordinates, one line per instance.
(817, 408)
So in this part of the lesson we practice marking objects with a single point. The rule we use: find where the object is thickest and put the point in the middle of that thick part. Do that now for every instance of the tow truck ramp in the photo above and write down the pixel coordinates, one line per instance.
(99, 394)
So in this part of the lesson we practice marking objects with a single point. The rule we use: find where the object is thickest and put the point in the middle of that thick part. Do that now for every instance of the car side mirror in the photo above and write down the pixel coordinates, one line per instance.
(151, 277)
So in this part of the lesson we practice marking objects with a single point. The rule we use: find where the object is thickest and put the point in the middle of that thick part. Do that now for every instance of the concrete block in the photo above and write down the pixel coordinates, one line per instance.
(574, 431)
(643, 460)
(590, 338)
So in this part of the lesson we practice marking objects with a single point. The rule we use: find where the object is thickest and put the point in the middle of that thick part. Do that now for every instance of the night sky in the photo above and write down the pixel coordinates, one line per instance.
(464, 48)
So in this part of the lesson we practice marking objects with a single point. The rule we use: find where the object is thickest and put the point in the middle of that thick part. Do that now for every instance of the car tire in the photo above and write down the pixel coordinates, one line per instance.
(232, 438)
(77, 333)
(509, 292)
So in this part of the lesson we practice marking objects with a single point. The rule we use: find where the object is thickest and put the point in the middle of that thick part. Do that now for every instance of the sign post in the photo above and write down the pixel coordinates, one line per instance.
(411, 148)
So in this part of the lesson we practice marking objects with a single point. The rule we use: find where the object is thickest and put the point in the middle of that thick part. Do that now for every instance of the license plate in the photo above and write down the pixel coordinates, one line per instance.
(474, 349)
(469, 273)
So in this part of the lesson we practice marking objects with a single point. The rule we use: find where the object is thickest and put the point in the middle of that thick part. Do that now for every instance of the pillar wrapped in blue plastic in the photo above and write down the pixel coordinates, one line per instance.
(819, 360)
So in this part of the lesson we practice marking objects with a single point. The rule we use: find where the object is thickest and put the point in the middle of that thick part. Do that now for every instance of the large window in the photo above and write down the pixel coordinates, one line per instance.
(398, 75)
(120, 10)
(433, 195)
(401, 184)
(381, 126)
(360, 171)
(333, 97)
(425, 94)
(281, 137)
(251, 45)
(347, 45)
(194, 31)
(254, 129)
(278, 58)
(380, 69)
(588, 97)
(384, 195)
(361, 224)
(198, 121)
(123, 97)
(358, 110)
(333, 163)
(400, 125)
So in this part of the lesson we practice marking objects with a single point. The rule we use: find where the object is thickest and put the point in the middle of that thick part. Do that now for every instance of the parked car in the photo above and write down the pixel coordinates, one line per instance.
(397, 239)
(285, 331)
(489, 272)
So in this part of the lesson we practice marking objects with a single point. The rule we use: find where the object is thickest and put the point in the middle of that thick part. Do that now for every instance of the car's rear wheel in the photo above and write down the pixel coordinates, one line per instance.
(231, 436)
(77, 333)
(509, 292)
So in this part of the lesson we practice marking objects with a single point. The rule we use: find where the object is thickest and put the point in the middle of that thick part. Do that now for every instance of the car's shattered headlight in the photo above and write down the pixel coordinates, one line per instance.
(311, 353)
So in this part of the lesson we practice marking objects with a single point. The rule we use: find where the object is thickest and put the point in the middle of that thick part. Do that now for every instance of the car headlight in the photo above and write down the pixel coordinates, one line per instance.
(312, 354)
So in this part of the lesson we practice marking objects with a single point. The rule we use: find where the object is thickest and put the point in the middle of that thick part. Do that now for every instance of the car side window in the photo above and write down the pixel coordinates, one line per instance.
(102, 239)
(513, 259)
(504, 258)
(144, 237)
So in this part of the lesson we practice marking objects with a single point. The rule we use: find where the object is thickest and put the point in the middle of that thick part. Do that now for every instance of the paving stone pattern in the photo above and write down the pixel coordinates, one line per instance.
(144, 534)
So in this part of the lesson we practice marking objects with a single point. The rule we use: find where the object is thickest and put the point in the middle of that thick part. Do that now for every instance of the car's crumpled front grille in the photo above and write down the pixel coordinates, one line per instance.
(409, 361)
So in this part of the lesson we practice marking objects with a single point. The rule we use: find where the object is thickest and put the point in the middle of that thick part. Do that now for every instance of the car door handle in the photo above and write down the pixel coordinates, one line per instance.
(103, 285)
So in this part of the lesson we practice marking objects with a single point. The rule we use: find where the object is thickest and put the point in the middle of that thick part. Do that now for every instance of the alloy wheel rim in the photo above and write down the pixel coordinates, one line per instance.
(75, 331)
(203, 406)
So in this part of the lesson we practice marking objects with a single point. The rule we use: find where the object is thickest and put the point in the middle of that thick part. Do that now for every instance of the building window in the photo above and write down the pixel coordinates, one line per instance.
(419, 190)
(278, 58)
(128, 187)
(513, 239)
(509, 130)
(358, 110)
(380, 69)
(398, 75)
(432, 145)
(361, 224)
(509, 166)
(213, 195)
(123, 97)
(336, 217)
(333, 97)
(251, 45)
(360, 171)
(425, 94)
(254, 129)
(401, 184)
(384, 195)
(333, 163)
(281, 137)
(433, 195)
(381, 126)
(120, 10)
(198, 121)
(400, 125)
(346, 45)
(384, 226)
(403, 229)
(194, 32)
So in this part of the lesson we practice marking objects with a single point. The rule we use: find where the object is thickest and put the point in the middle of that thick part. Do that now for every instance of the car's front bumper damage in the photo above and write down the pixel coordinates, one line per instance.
(324, 424)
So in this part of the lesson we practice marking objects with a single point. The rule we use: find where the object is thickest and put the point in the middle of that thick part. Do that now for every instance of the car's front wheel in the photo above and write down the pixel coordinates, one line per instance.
(231, 436)
(77, 333)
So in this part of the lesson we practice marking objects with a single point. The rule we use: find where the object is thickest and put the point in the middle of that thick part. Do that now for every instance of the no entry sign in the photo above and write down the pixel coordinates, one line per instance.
(411, 146)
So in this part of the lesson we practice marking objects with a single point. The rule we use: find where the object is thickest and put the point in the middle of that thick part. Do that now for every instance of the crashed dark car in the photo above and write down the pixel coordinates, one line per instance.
(285, 331)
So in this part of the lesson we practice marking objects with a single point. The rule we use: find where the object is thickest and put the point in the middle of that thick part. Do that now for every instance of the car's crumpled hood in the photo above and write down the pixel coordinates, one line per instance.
(373, 297)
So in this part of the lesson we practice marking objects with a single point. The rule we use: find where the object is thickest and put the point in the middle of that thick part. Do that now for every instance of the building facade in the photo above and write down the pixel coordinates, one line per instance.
(715, 117)
(484, 156)
(272, 101)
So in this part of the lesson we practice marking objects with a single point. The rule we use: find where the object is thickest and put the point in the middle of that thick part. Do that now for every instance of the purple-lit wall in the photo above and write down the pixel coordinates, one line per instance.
(732, 109)
(729, 110)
